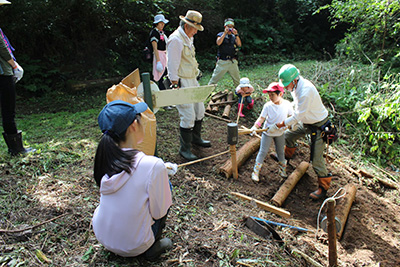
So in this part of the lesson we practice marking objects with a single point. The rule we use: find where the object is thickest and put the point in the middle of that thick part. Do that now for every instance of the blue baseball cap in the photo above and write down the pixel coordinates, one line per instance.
(117, 115)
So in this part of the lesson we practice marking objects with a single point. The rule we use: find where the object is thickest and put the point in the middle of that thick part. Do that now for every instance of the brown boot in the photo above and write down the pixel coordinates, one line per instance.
(289, 152)
(324, 183)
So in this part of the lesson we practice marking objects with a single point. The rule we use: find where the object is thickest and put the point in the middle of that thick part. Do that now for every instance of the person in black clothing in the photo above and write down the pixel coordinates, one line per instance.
(158, 40)
(227, 61)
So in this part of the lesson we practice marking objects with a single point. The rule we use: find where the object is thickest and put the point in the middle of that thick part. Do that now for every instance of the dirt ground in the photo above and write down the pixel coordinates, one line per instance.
(206, 222)
(372, 232)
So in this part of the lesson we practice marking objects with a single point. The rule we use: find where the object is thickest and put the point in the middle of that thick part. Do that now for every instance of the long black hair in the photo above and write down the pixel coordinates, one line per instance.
(110, 159)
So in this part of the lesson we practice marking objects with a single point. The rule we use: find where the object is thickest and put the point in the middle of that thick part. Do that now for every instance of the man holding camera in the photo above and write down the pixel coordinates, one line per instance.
(228, 43)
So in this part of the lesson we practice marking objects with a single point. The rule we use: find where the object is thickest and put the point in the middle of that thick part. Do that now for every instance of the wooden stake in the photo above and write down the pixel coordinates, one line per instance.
(332, 233)
(289, 184)
(219, 95)
(264, 205)
(233, 161)
(344, 205)
(209, 107)
(242, 155)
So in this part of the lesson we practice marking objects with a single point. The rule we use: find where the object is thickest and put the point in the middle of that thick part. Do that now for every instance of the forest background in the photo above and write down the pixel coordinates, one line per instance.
(63, 43)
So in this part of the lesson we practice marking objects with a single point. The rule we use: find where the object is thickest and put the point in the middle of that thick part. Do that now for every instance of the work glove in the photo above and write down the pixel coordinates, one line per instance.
(159, 67)
(172, 168)
(18, 72)
(273, 129)
(295, 126)
(253, 130)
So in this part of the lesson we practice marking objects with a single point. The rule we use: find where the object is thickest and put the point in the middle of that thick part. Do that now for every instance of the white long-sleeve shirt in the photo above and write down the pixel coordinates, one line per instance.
(309, 108)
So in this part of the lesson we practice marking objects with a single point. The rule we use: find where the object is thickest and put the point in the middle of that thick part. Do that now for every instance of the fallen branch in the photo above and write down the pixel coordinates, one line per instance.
(307, 258)
(31, 227)
(216, 117)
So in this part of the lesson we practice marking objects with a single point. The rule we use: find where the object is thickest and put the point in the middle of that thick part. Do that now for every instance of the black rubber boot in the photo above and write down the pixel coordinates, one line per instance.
(14, 144)
(159, 247)
(197, 140)
(186, 144)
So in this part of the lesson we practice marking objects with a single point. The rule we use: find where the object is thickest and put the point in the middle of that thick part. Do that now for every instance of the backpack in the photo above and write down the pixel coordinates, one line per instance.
(148, 49)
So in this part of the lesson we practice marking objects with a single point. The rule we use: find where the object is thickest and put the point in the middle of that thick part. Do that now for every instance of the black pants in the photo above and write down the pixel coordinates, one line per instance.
(7, 101)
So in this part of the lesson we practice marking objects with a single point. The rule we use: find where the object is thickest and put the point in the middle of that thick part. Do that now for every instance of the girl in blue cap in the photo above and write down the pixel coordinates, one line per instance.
(135, 193)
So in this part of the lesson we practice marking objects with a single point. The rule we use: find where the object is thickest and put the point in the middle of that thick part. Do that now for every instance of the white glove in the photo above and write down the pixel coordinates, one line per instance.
(159, 67)
(172, 168)
(273, 129)
(253, 130)
(18, 72)
(295, 126)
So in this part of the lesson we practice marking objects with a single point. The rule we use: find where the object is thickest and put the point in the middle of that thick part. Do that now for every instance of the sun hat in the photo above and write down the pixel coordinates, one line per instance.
(244, 82)
(160, 17)
(3, 2)
(274, 86)
(193, 18)
(117, 115)
(229, 21)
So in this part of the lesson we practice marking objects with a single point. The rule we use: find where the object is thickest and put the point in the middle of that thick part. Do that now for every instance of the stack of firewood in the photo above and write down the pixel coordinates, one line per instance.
(221, 99)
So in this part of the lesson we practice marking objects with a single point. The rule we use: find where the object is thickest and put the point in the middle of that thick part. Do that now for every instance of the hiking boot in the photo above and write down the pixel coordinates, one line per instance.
(323, 186)
(159, 247)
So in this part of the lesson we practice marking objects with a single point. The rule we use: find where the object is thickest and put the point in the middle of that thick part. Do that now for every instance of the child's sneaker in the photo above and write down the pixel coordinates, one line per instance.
(282, 169)
(256, 172)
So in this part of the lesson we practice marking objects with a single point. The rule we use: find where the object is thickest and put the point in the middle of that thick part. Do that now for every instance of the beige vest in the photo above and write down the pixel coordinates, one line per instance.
(189, 68)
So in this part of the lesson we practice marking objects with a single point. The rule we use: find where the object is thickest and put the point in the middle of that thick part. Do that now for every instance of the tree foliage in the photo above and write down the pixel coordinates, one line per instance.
(374, 30)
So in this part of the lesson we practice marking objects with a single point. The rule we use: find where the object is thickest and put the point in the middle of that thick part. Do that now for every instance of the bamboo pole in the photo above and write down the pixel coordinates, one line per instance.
(263, 205)
(216, 117)
(202, 159)
(289, 184)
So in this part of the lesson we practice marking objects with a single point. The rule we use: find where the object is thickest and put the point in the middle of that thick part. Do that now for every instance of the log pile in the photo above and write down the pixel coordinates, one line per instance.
(222, 100)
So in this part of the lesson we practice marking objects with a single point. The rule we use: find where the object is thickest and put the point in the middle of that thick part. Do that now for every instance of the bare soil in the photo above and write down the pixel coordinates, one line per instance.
(206, 223)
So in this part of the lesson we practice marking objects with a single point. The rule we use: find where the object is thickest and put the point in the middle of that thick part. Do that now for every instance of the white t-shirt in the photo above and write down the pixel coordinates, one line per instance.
(129, 203)
(274, 114)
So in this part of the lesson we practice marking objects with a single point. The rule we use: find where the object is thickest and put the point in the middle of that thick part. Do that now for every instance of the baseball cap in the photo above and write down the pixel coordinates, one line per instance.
(274, 86)
(117, 115)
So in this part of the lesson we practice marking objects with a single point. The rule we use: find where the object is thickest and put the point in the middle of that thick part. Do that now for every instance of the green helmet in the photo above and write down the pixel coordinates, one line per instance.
(287, 74)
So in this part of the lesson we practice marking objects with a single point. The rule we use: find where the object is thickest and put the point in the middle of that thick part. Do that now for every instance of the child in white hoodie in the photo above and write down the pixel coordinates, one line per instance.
(135, 192)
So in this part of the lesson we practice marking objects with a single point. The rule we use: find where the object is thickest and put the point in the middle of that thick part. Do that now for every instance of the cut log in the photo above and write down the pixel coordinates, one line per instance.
(344, 205)
(227, 109)
(219, 95)
(214, 108)
(209, 107)
(241, 156)
(264, 205)
(289, 184)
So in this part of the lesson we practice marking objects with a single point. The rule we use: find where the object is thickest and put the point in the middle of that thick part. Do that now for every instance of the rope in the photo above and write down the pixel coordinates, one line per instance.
(323, 204)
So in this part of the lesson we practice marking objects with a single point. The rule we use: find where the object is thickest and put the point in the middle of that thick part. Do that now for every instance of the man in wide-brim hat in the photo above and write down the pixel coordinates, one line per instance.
(182, 72)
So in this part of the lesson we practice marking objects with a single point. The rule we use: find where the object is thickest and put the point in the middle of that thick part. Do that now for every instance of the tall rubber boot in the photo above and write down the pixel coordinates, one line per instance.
(197, 140)
(186, 144)
(323, 186)
(240, 109)
(159, 247)
(250, 106)
(256, 172)
(14, 144)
